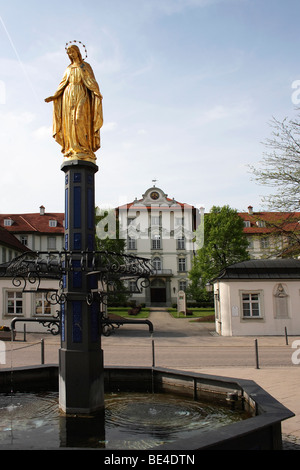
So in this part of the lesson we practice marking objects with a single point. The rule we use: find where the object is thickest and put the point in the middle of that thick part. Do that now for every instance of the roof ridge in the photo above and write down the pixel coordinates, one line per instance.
(26, 221)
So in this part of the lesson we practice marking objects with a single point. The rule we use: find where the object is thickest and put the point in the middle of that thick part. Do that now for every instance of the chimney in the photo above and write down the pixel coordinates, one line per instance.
(250, 210)
(42, 210)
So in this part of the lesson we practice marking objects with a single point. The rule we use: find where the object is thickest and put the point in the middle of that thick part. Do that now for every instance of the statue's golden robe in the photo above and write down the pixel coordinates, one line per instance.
(77, 113)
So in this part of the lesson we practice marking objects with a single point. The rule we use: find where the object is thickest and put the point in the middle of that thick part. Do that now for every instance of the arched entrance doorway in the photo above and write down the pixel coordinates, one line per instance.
(158, 293)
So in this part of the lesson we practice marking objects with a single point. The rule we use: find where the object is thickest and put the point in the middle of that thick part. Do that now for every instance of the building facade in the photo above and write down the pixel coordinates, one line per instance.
(20, 233)
(41, 231)
(163, 230)
(155, 227)
(272, 234)
(258, 298)
(10, 246)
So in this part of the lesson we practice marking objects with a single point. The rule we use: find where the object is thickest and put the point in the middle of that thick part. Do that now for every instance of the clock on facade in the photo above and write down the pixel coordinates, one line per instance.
(154, 195)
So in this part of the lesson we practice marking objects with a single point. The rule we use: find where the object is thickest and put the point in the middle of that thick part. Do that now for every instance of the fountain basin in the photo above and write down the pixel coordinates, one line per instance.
(261, 431)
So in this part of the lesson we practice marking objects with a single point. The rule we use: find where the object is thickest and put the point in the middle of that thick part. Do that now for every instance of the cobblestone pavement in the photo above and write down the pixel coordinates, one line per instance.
(290, 442)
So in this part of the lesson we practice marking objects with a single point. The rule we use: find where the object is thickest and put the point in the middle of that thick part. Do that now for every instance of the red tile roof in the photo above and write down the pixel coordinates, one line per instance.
(28, 223)
(274, 222)
(10, 241)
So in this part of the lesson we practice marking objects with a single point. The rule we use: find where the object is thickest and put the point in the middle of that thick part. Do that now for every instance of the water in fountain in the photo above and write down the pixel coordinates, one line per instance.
(130, 421)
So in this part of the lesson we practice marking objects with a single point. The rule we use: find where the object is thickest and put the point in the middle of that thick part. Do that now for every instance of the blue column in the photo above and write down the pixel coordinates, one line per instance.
(81, 358)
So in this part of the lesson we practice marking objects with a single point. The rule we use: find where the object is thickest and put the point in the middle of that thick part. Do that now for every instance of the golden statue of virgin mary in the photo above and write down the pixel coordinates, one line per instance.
(77, 110)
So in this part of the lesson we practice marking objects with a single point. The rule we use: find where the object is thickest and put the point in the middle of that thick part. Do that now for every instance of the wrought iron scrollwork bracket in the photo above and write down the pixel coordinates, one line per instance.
(31, 268)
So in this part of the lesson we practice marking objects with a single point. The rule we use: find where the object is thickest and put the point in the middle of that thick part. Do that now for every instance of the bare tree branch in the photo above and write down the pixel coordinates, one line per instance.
(280, 166)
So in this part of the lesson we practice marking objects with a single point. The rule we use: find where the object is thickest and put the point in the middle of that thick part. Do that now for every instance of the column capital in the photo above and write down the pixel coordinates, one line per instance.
(67, 165)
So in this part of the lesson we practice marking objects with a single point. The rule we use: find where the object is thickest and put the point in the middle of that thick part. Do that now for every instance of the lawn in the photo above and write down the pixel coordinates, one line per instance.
(199, 314)
(123, 312)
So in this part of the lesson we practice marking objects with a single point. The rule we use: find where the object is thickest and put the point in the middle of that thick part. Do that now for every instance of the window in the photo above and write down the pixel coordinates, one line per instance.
(261, 223)
(155, 220)
(179, 221)
(51, 243)
(52, 223)
(182, 285)
(131, 243)
(181, 243)
(8, 222)
(14, 303)
(264, 243)
(182, 264)
(156, 242)
(250, 243)
(251, 305)
(247, 223)
(24, 240)
(156, 264)
(42, 305)
(133, 287)
(130, 221)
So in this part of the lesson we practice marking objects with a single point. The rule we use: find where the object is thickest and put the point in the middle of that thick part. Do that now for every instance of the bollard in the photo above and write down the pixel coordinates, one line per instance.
(153, 354)
(24, 332)
(256, 354)
(42, 352)
(286, 336)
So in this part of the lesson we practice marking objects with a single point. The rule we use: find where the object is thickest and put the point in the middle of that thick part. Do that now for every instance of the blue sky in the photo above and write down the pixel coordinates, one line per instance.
(189, 89)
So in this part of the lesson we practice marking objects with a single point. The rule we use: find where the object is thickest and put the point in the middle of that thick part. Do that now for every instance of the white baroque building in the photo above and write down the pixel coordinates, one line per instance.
(163, 230)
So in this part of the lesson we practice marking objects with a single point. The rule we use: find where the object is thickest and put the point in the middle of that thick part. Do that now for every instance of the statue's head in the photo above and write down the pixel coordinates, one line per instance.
(74, 52)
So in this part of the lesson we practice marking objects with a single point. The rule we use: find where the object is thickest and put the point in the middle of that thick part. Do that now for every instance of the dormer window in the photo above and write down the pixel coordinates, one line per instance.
(247, 223)
(8, 222)
(261, 223)
(52, 223)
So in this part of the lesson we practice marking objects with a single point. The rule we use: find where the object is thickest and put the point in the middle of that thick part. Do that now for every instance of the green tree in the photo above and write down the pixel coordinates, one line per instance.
(224, 244)
(108, 239)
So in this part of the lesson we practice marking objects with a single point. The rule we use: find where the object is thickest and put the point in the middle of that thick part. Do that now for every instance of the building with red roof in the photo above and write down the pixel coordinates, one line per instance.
(19, 233)
(41, 231)
(272, 234)
(10, 246)
(155, 227)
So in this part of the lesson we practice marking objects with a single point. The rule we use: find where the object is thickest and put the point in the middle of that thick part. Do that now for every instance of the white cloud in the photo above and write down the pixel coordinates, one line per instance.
(109, 126)
(12, 120)
(43, 132)
(221, 112)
